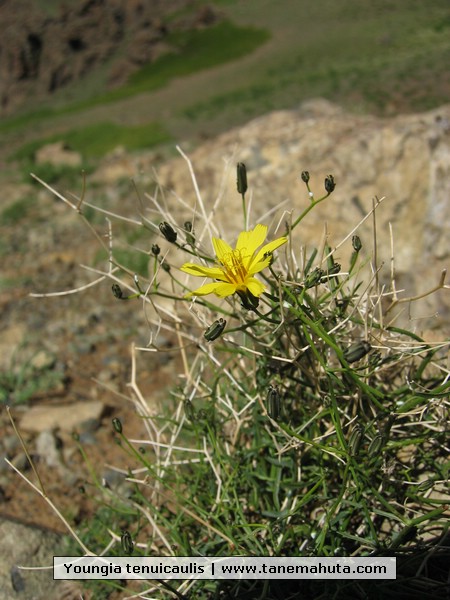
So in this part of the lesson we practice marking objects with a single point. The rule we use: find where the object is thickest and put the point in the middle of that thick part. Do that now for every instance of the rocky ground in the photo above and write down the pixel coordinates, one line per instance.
(65, 364)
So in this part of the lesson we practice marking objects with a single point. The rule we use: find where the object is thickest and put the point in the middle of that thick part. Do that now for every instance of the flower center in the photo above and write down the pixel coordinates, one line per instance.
(234, 267)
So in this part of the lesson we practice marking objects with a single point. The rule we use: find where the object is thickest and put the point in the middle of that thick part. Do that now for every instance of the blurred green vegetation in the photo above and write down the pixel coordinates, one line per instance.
(93, 141)
(380, 57)
(23, 379)
(15, 212)
(196, 50)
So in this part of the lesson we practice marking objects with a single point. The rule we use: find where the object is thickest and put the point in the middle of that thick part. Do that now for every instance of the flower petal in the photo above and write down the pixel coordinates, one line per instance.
(221, 248)
(255, 286)
(259, 266)
(251, 240)
(203, 290)
(242, 241)
(201, 271)
(225, 289)
(218, 288)
(268, 248)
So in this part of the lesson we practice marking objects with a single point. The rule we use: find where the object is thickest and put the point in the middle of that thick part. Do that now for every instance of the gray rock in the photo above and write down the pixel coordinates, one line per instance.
(66, 417)
(31, 547)
(42, 360)
(10, 443)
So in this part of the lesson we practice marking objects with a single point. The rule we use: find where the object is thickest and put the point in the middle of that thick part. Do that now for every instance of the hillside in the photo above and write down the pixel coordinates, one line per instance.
(42, 52)
(175, 79)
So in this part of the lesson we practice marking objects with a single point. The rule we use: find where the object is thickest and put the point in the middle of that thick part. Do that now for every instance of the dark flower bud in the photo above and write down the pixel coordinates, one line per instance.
(189, 237)
(117, 424)
(248, 300)
(405, 535)
(355, 439)
(375, 445)
(127, 542)
(425, 485)
(189, 410)
(117, 291)
(241, 178)
(273, 403)
(168, 232)
(356, 243)
(305, 176)
(215, 330)
(357, 351)
(329, 183)
(335, 268)
(155, 249)
(314, 278)
(165, 266)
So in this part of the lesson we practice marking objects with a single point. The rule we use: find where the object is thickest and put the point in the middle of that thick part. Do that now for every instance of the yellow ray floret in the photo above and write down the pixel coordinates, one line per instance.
(235, 268)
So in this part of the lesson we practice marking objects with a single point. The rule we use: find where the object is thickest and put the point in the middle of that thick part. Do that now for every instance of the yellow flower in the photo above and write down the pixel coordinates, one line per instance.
(235, 270)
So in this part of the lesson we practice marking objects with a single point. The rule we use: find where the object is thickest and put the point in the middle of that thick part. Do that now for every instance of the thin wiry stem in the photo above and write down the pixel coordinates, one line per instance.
(54, 508)
(440, 286)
